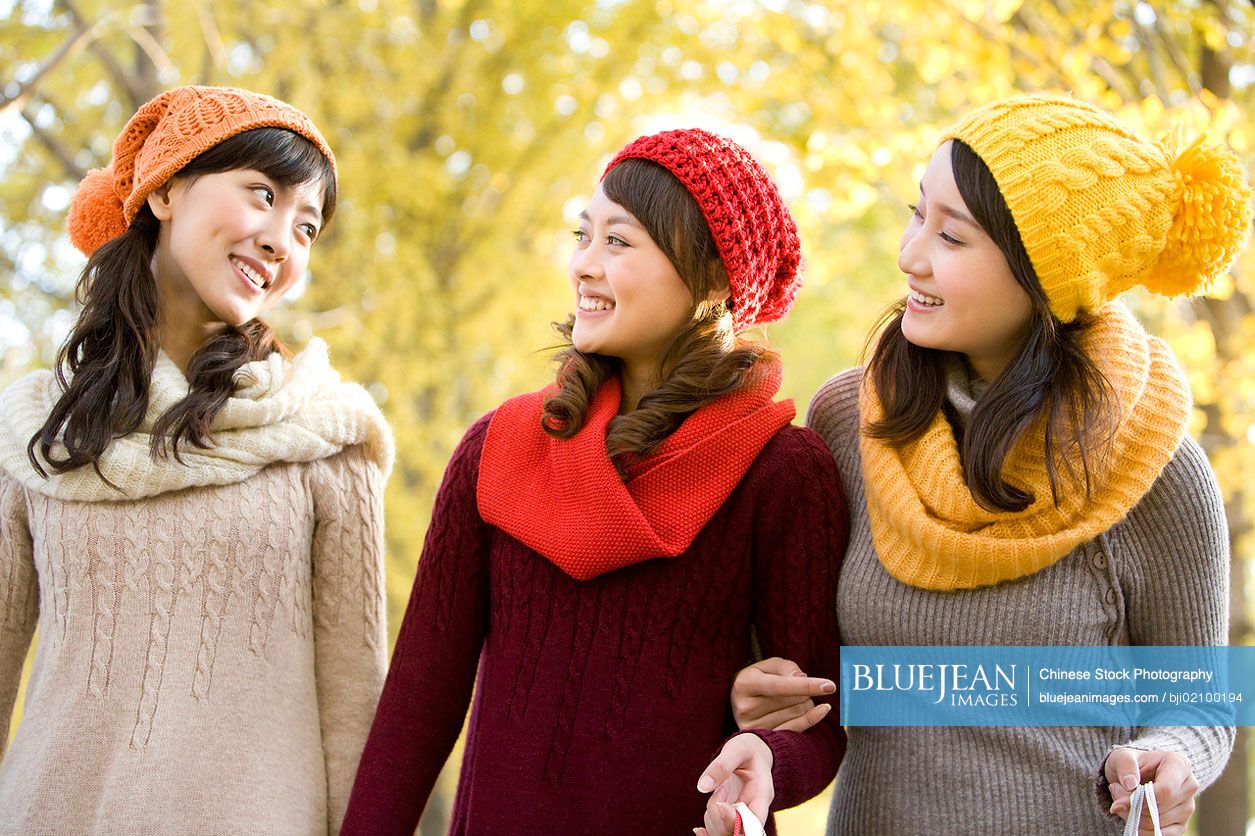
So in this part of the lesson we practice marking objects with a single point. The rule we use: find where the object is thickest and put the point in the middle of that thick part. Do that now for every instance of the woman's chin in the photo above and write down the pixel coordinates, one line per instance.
(917, 337)
(582, 344)
(235, 317)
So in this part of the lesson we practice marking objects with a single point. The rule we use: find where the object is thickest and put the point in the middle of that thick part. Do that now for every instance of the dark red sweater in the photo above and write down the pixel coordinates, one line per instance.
(600, 702)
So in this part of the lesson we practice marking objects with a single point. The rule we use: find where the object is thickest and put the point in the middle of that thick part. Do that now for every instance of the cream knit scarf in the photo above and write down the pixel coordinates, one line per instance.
(930, 533)
(281, 411)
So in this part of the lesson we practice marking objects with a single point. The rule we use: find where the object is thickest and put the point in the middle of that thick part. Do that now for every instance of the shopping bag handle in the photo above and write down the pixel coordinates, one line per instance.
(1143, 795)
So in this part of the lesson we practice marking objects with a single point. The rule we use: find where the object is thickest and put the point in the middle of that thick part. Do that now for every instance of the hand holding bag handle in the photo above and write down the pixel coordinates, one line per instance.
(747, 824)
(1144, 794)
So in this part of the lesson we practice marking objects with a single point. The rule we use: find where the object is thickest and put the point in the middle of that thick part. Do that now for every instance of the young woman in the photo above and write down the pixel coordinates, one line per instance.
(602, 550)
(192, 518)
(1020, 473)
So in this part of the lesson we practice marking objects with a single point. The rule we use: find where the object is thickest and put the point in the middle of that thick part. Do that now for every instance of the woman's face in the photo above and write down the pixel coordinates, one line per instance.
(962, 294)
(232, 243)
(630, 301)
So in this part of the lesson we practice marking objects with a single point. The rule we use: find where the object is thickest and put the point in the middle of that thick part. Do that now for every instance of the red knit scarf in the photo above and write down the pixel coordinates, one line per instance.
(564, 499)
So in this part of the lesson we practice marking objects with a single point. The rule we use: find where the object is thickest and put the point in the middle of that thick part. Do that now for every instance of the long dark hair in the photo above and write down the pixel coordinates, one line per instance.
(704, 361)
(1051, 376)
(111, 351)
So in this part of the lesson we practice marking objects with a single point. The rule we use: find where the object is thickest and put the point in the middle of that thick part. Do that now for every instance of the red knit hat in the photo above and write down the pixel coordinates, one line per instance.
(163, 136)
(755, 234)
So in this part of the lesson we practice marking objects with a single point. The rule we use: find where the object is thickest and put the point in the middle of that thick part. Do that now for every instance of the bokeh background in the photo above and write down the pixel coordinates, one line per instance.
(470, 132)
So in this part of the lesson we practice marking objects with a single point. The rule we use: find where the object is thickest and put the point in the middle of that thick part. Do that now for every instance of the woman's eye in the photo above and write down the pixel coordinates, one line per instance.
(914, 210)
(265, 193)
(580, 235)
(949, 239)
(616, 241)
(310, 231)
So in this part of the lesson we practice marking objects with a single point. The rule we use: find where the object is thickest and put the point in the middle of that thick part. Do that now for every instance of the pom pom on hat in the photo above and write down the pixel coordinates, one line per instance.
(756, 236)
(1210, 220)
(95, 211)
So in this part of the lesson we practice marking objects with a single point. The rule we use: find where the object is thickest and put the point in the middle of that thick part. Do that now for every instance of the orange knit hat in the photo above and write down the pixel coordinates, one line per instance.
(163, 136)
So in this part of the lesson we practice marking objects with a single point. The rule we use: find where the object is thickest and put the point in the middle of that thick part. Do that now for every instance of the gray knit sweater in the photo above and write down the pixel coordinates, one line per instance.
(1159, 577)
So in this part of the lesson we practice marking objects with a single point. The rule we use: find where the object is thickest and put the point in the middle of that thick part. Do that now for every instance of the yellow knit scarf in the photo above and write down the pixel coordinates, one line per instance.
(928, 530)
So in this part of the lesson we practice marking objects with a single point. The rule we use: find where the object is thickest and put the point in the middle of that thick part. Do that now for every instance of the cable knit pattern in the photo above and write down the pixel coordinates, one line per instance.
(161, 583)
(1100, 209)
(154, 707)
(1159, 576)
(281, 411)
(930, 532)
(210, 652)
(755, 234)
(598, 703)
(20, 597)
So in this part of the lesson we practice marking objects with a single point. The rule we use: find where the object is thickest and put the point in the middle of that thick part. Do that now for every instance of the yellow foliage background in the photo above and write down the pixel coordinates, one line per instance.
(469, 132)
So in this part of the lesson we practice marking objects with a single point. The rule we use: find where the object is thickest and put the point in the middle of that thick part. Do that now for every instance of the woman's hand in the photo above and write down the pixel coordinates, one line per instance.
(742, 772)
(776, 694)
(1175, 786)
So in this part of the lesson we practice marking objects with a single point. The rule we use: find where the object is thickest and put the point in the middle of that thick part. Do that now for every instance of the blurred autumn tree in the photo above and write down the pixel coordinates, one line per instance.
(466, 130)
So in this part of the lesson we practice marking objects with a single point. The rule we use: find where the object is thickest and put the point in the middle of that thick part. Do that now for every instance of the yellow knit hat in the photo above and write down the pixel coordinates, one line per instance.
(1100, 209)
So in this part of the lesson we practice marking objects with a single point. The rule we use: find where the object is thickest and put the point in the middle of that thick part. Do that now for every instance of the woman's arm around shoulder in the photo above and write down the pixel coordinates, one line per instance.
(429, 683)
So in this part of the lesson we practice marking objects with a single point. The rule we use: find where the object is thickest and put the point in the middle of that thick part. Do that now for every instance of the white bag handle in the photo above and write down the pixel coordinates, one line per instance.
(1144, 794)
(749, 823)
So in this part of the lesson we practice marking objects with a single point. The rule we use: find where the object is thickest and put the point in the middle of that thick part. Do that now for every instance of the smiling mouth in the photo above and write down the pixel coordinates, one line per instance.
(925, 299)
(595, 303)
(260, 279)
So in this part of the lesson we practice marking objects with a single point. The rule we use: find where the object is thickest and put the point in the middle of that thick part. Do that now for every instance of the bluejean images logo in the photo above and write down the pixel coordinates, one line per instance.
(961, 685)
(1047, 686)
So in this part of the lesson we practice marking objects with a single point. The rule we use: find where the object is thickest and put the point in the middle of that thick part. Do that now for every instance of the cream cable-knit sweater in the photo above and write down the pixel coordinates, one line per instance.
(212, 645)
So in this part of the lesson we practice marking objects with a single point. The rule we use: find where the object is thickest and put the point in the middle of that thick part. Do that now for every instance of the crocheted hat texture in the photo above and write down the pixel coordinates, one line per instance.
(163, 136)
(1100, 209)
(753, 230)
